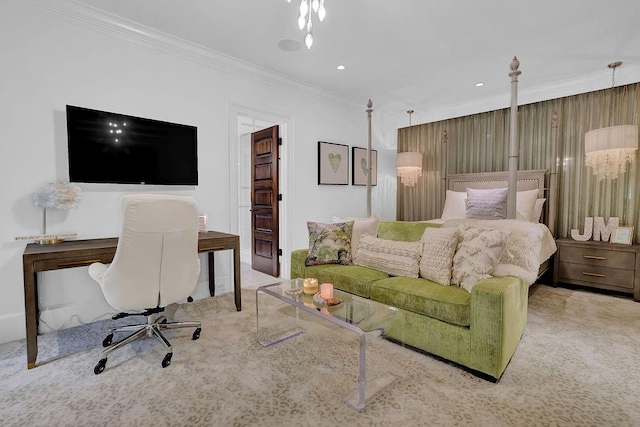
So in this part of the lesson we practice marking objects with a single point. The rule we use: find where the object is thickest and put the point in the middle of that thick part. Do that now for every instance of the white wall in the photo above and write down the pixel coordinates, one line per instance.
(52, 59)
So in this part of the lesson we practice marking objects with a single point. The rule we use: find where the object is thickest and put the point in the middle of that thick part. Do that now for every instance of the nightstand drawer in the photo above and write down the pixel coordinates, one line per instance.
(614, 277)
(599, 258)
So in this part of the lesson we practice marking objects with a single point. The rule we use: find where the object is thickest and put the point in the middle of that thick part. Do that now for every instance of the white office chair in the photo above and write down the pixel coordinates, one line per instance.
(156, 264)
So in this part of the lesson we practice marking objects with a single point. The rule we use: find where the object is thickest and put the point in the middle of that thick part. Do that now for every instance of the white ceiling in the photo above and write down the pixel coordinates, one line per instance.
(416, 54)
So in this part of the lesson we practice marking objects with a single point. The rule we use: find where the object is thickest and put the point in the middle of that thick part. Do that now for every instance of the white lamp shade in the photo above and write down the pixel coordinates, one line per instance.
(611, 138)
(409, 160)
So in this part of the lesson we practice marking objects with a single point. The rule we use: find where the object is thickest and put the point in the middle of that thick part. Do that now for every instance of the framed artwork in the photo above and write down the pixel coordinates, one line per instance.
(622, 235)
(333, 164)
(359, 166)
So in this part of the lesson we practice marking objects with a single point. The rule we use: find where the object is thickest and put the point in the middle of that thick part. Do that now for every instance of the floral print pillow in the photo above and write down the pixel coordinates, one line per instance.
(329, 243)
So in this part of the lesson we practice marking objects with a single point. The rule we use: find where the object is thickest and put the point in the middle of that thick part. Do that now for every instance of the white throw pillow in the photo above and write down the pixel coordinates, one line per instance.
(486, 203)
(454, 205)
(360, 227)
(477, 254)
(525, 202)
(536, 215)
(439, 245)
(392, 257)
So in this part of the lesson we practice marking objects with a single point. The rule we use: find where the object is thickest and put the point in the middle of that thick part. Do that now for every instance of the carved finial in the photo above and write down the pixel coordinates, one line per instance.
(369, 104)
(515, 64)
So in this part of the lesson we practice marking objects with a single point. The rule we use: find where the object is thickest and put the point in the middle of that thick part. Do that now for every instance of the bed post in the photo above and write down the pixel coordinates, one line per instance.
(553, 179)
(444, 156)
(369, 111)
(513, 141)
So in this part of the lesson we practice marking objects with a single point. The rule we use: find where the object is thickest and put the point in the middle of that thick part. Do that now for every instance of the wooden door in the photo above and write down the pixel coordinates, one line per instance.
(265, 238)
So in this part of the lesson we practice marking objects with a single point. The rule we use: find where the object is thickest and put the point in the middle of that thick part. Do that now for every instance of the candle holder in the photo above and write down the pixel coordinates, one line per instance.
(326, 291)
(310, 286)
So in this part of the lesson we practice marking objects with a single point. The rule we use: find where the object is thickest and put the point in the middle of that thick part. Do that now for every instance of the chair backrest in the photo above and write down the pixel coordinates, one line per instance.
(156, 262)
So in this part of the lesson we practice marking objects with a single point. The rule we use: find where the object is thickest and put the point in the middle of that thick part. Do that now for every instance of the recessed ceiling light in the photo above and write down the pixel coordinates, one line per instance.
(479, 84)
(341, 67)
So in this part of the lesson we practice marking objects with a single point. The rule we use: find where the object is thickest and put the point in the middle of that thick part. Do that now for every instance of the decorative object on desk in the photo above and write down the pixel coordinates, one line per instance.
(57, 195)
(326, 291)
(359, 169)
(310, 286)
(622, 235)
(202, 223)
(595, 227)
(333, 163)
(609, 149)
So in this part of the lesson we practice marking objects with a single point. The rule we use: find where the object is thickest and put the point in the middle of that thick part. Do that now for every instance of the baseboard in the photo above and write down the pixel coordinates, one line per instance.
(12, 327)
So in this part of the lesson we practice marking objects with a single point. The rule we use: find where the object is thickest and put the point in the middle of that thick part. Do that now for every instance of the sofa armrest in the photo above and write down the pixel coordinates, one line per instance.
(298, 258)
(498, 319)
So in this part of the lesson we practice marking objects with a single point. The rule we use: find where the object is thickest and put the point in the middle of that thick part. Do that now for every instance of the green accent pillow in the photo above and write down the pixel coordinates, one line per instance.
(329, 243)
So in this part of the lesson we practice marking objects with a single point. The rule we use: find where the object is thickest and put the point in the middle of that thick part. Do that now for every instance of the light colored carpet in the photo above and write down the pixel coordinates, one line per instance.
(577, 364)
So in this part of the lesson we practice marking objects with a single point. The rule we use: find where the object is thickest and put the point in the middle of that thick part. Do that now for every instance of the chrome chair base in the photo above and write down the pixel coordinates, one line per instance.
(154, 328)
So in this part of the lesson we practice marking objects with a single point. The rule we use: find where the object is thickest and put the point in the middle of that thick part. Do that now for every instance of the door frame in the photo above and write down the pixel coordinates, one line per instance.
(285, 179)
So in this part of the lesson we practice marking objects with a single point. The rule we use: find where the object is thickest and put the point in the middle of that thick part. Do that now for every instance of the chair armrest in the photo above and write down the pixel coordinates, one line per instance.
(298, 258)
(498, 319)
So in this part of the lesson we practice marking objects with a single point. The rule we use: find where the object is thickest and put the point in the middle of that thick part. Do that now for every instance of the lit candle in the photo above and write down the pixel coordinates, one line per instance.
(310, 286)
(326, 290)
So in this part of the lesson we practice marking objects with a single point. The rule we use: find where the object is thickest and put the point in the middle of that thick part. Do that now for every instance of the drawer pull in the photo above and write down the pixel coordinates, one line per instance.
(78, 263)
(593, 274)
(594, 257)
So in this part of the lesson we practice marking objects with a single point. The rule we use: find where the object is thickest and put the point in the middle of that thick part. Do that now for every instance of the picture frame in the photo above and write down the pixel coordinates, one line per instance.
(359, 166)
(622, 235)
(333, 163)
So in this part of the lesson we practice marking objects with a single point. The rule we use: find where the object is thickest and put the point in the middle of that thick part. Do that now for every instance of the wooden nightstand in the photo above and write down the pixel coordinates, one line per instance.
(598, 265)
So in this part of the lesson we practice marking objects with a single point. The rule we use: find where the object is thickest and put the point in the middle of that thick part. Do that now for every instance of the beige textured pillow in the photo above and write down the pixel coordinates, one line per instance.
(362, 226)
(477, 254)
(389, 256)
(439, 245)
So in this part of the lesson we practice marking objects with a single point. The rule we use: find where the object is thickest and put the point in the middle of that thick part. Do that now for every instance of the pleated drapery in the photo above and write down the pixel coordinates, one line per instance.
(480, 143)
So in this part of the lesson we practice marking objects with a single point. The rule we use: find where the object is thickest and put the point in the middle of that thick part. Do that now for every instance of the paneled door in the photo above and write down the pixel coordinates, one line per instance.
(265, 231)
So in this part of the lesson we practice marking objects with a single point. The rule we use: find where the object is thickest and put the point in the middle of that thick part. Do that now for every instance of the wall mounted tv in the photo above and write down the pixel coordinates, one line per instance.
(119, 149)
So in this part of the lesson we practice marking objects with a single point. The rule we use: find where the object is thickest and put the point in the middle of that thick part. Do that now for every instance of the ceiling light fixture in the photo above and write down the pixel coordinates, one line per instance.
(479, 84)
(341, 67)
(304, 20)
(409, 164)
(608, 150)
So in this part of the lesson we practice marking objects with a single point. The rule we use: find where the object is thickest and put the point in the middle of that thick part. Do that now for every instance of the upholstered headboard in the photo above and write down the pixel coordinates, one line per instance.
(526, 180)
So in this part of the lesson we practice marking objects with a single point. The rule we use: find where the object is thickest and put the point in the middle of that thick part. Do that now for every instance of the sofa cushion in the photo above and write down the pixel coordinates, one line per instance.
(349, 278)
(329, 243)
(450, 304)
(390, 256)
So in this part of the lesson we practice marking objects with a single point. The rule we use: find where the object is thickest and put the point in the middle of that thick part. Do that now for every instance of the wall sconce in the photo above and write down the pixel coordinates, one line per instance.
(608, 150)
(409, 164)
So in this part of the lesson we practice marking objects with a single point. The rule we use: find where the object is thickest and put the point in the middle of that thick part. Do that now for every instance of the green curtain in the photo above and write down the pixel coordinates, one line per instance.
(480, 142)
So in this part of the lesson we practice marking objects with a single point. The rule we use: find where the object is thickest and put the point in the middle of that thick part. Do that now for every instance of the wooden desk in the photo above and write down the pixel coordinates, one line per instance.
(79, 253)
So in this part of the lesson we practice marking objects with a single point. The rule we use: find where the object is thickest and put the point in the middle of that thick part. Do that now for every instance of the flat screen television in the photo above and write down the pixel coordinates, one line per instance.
(119, 149)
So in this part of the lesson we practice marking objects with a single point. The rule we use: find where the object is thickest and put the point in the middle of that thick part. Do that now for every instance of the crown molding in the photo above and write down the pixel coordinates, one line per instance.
(97, 20)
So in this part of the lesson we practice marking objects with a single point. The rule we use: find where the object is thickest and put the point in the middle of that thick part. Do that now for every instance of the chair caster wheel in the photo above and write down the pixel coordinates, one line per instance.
(167, 360)
(196, 334)
(100, 366)
(190, 299)
(106, 342)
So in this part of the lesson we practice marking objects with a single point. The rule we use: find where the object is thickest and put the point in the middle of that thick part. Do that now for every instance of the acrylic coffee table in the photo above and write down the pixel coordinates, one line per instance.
(362, 316)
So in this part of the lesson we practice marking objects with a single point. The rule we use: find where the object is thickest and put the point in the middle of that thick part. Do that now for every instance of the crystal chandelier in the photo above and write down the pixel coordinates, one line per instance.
(608, 150)
(304, 20)
(409, 164)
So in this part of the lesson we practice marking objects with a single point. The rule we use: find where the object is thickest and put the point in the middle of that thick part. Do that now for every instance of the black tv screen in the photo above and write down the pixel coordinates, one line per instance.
(115, 148)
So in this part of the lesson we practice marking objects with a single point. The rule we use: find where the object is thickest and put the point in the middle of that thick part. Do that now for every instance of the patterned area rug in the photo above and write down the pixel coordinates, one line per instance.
(577, 364)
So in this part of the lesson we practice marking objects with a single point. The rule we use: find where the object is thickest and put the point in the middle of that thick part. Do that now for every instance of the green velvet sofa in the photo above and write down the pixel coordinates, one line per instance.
(479, 330)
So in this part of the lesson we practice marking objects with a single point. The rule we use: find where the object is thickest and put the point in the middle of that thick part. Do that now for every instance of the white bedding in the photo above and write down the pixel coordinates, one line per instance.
(527, 240)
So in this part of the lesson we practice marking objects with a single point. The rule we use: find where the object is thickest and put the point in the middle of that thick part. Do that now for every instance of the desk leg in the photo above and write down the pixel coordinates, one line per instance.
(31, 314)
(236, 276)
(212, 275)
